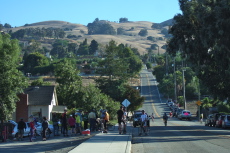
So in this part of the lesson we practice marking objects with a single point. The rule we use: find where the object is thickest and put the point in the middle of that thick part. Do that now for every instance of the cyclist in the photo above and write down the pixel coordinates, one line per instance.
(165, 118)
(152, 117)
(143, 119)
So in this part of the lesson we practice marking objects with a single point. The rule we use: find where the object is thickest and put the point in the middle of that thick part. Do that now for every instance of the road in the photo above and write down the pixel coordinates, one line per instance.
(179, 136)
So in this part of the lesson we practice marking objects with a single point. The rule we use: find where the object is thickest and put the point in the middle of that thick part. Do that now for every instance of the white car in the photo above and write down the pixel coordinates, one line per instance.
(185, 114)
(170, 104)
(168, 101)
(38, 128)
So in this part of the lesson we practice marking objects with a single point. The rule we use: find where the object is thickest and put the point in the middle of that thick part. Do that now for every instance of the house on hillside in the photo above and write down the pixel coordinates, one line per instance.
(38, 101)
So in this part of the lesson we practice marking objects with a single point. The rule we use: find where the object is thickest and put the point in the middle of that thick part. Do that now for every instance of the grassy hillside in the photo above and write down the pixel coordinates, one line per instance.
(130, 37)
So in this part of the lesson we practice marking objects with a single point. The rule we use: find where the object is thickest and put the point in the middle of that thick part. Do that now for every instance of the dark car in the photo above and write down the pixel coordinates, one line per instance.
(209, 119)
(136, 118)
(215, 118)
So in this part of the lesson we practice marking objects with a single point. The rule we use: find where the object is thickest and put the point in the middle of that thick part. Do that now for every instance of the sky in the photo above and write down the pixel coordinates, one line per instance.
(21, 12)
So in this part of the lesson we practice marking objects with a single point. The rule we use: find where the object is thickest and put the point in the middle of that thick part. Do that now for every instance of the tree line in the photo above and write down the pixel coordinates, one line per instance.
(106, 93)
(201, 37)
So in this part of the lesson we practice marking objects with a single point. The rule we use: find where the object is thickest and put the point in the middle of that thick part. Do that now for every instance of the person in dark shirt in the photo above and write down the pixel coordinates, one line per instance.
(21, 128)
(64, 123)
(44, 128)
(120, 114)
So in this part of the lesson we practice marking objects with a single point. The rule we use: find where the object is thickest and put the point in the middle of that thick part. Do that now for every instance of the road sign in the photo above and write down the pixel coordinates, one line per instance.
(198, 103)
(126, 103)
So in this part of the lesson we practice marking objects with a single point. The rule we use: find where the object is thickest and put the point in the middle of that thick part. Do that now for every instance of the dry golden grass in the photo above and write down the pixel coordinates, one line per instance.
(131, 38)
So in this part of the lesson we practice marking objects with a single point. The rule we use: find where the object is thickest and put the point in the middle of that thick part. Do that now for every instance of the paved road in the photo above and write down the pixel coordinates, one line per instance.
(58, 144)
(178, 136)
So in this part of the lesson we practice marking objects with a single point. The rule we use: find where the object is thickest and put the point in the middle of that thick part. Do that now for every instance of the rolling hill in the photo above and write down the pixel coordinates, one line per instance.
(129, 37)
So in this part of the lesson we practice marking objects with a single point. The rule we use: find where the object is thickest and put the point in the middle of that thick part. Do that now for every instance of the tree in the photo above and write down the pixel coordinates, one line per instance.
(100, 27)
(123, 20)
(72, 47)
(59, 48)
(69, 83)
(133, 95)
(83, 48)
(40, 82)
(33, 60)
(120, 31)
(92, 98)
(93, 47)
(201, 34)
(1, 27)
(143, 32)
(12, 81)
(6, 25)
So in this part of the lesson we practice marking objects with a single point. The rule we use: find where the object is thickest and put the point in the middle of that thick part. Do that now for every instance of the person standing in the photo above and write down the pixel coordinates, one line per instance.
(143, 122)
(120, 114)
(106, 120)
(92, 119)
(32, 129)
(64, 123)
(72, 122)
(55, 124)
(85, 120)
(44, 128)
(21, 128)
(78, 123)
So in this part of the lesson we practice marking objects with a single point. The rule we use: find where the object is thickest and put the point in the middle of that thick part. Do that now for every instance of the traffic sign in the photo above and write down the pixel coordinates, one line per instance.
(198, 103)
(126, 103)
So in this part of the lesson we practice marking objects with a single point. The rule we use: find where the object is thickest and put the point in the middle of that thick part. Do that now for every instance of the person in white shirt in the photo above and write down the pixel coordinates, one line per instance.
(143, 122)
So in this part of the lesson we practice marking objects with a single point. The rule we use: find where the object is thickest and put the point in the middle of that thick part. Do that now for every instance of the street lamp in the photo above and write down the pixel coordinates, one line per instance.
(175, 88)
(184, 88)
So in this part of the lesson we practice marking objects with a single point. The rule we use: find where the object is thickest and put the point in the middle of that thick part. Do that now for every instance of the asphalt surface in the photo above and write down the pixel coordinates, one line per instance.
(57, 144)
(179, 136)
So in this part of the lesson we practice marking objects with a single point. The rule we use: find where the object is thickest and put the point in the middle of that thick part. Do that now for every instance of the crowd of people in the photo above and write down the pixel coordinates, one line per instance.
(74, 123)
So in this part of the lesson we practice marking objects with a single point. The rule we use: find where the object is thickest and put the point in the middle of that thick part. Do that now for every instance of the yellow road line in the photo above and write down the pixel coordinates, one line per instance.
(154, 109)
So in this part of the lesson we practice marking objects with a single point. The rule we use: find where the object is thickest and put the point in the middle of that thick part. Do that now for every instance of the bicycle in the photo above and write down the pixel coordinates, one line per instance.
(40, 133)
(110, 126)
(122, 129)
(144, 127)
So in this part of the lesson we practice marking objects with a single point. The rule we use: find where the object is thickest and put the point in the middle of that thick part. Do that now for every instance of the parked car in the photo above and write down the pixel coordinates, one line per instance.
(136, 118)
(208, 121)
(219, 120)
(38, 128)
(178, 112)
(185, 114)
(226, 121)
(168, 101)
(215, 118)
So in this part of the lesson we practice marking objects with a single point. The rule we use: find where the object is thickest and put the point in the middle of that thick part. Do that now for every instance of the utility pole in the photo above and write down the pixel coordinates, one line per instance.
(183, 69)
(175, 88)
(166, 59)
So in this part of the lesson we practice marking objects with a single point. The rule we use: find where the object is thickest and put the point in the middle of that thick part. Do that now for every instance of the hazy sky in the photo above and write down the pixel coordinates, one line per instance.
(21, 12)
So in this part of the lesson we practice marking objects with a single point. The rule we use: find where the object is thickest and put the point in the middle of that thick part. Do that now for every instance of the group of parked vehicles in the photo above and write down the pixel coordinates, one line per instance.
(218, 120)
(178, 112)
(27, 130)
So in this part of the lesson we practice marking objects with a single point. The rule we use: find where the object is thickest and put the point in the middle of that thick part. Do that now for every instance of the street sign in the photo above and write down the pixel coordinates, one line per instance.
(198, 103)
(126, 103)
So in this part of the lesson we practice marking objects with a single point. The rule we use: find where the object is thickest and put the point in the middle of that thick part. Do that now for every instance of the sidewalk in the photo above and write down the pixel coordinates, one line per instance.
(111, 142)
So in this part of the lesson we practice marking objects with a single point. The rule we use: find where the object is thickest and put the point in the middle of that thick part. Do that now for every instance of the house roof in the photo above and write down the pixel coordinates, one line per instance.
(40, 95)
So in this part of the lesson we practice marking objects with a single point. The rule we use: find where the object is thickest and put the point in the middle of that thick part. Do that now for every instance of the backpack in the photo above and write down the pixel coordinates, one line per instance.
(107, 116)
